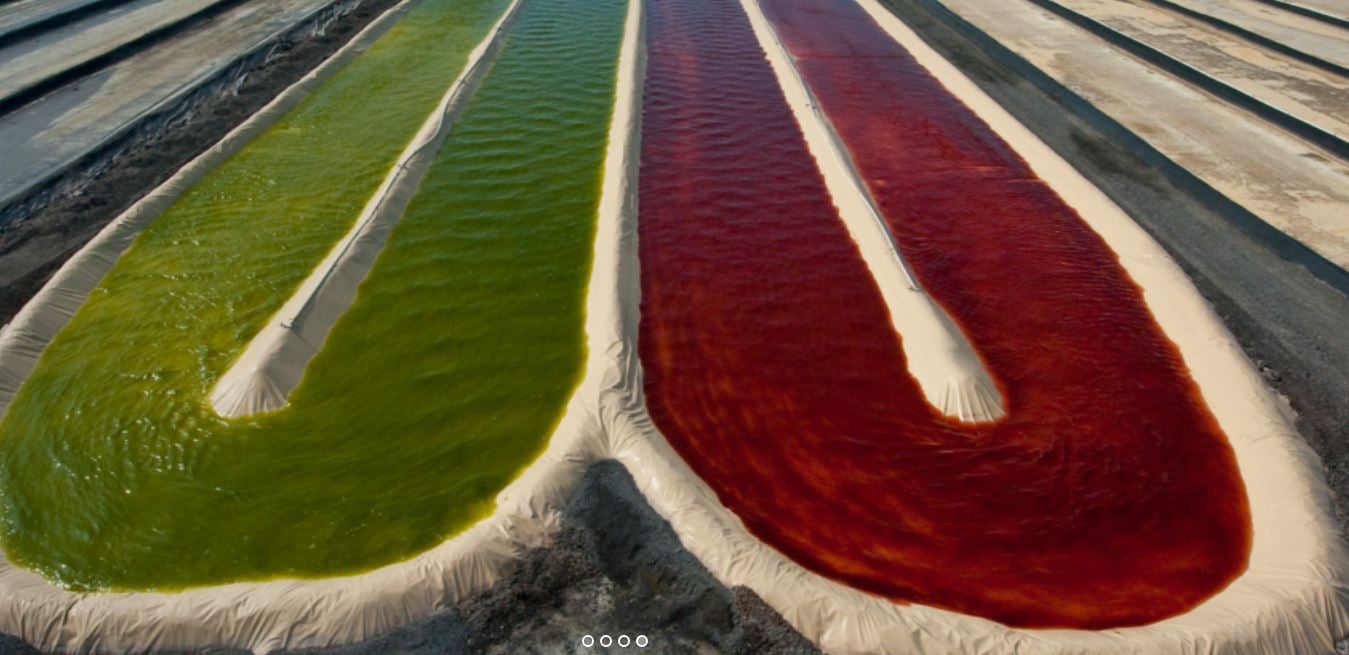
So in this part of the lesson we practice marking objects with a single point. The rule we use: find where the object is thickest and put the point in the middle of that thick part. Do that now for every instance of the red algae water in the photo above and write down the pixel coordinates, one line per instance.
(1108, 496)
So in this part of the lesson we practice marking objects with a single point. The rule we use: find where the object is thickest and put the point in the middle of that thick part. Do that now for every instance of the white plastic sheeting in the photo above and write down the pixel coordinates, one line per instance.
(1290, 601)
(273, 363)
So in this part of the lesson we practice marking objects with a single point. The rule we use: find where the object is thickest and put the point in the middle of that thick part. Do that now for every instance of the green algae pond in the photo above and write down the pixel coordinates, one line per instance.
(440, 384)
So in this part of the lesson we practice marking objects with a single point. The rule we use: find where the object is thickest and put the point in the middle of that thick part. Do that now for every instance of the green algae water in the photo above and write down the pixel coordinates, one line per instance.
(439, 385)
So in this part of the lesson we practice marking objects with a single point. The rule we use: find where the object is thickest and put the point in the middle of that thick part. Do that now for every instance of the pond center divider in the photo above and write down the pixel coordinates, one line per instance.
(433, 391)
(937, 352)
(274, 361)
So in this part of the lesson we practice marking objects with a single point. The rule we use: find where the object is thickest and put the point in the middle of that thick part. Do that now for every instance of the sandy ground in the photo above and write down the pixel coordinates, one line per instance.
(1301, 90)
(61, 129)
(1288, 183)
(1289, 322)
(31, 249)
(1307, 34)
(31, 60)
(1334, 8)
(24, 13)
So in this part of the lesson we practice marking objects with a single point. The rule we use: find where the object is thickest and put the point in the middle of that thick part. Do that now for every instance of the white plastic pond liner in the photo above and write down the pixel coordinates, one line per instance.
(273, 363)
(1290, 601)
(953, 378)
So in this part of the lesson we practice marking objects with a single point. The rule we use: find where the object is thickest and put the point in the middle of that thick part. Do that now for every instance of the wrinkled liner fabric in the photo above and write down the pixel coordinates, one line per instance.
(1289, 601)
(273, 364)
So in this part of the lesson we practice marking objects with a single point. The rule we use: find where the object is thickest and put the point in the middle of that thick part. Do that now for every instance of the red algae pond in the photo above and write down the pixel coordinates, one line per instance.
(870, 347)
(1108, 496)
